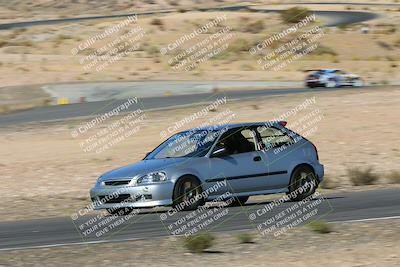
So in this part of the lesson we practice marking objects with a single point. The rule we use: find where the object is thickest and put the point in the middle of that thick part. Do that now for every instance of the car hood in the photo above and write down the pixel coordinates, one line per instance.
(140, 168)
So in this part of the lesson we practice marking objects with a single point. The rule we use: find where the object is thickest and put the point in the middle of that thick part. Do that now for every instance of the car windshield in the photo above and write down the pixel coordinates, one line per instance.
(192, 143)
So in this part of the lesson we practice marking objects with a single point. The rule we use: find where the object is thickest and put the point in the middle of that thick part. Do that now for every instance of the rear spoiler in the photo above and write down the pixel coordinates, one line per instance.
(271, 123)
(310, 70)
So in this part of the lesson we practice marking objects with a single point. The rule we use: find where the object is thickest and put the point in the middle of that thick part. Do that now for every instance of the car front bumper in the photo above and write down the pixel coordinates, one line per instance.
(144, 196)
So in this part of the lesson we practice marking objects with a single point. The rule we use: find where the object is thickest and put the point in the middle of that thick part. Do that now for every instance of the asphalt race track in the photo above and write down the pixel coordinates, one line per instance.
(335, 18)
(337, 207)
(63, 112)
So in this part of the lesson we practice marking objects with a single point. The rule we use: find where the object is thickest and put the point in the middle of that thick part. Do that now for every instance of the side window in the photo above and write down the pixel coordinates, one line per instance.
(272, 137)
(238, 140)
(249, 135)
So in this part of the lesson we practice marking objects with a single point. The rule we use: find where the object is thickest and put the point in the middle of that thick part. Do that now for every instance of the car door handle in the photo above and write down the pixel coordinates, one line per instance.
(257, 158)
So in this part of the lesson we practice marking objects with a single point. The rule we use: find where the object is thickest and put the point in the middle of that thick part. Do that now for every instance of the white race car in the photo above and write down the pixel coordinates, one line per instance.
(332, 78)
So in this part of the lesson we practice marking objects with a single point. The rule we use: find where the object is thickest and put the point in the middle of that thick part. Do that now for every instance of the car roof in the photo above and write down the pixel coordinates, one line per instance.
(329, 70)
(235, 125)
(324, 70)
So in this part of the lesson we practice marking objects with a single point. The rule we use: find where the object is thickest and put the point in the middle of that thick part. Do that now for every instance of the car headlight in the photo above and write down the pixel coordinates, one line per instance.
(150, 178)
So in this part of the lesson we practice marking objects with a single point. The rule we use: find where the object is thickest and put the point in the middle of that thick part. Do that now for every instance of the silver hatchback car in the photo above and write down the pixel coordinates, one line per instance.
(203, 164)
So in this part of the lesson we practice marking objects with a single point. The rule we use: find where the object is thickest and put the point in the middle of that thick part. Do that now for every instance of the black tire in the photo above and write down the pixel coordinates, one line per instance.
(358, 83)
(187, 190)
(331, 84)
(120, 211)
(303, 183)
(237, 201)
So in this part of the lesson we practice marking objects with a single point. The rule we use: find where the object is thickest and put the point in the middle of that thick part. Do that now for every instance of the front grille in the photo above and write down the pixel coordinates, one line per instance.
(115, 199)
(115, 183)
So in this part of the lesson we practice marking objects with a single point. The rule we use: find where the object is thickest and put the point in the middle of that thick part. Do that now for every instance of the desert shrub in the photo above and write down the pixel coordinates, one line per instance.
(152, 50)
(89, 51)
(327, 183)
(157, 22)
(246, 67)
(245, 238)
(62, 37)
(255, 27)
(23, 43)
(173, 3)
(199, 242)
(320, 227)
(17, 32)
(240, 45)
(386, 28)
(360, 176)
(294, 14)
(384, 82)
(384, 45)
(324, 50)
(394, 177)
(3, 43)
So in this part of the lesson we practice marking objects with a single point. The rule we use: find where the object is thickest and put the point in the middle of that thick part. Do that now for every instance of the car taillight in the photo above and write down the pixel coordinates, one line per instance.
(316, 151)
(283, 123)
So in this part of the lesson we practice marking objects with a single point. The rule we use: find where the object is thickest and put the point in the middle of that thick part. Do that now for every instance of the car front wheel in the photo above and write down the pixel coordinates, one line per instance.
(187, 194)
(330, 84)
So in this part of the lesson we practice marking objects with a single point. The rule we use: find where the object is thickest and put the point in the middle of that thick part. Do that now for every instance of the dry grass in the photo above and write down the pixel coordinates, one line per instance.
(294, 14)
(394, 177)
(320, 227)
(245, 238)
(328, 183)
(362, 176)
(197, 243)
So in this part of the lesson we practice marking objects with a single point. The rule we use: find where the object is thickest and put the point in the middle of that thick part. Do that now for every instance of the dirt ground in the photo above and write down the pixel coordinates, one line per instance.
(350, 244)
(46, 172)
(43, 54)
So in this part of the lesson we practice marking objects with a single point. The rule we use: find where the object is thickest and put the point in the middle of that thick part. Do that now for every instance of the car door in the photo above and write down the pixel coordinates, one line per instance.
(277, 151)
(242, 167)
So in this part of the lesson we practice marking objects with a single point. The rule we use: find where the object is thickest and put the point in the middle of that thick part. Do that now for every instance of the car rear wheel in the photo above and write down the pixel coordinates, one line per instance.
(330, 84)
(358, 83)
(237, 201)
(120, 211)
(187, 194)
(303, 183)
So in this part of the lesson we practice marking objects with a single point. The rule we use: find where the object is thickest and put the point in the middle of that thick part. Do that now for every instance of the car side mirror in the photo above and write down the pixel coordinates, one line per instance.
(220, 152)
